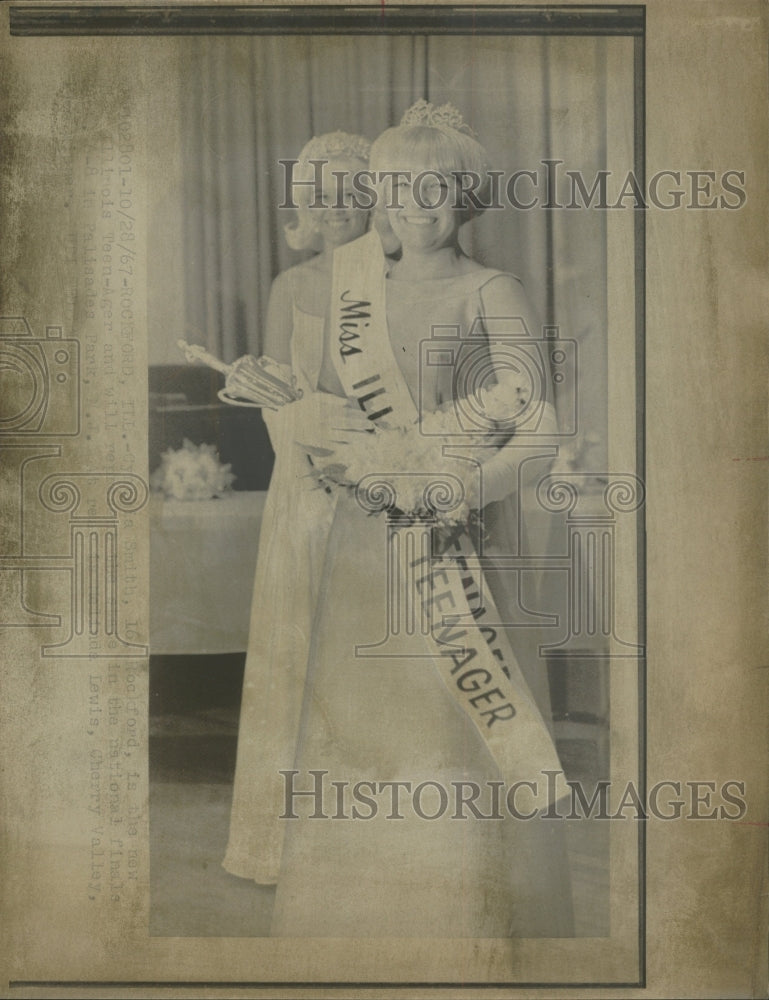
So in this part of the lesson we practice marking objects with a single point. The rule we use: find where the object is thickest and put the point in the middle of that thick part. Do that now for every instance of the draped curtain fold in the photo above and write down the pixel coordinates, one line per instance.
(247, 103)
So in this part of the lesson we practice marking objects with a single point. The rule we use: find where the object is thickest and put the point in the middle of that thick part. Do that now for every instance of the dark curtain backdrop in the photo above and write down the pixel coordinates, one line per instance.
(247, 103)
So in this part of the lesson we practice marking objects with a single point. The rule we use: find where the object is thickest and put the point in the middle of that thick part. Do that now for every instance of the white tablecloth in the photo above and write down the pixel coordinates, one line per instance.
(202, 561)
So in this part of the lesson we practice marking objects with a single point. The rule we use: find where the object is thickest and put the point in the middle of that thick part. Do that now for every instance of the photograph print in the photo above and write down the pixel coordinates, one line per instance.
(396, 449)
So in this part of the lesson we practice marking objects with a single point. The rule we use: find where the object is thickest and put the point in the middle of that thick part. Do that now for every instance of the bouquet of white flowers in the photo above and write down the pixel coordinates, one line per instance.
(436, 444)
(193, 472)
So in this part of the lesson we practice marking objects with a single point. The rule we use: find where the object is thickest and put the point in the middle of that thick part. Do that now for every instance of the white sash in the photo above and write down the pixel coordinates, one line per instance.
(483, 676)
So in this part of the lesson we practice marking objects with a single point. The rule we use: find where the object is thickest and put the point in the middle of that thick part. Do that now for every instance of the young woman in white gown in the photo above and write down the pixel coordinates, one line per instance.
(313, 705)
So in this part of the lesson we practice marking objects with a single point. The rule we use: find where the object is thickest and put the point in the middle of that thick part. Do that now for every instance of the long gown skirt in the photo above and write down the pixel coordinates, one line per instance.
(295, 529)
(381, 720)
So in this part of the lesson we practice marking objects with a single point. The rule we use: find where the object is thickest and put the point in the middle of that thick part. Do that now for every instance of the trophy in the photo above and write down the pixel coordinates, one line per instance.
(249, 381)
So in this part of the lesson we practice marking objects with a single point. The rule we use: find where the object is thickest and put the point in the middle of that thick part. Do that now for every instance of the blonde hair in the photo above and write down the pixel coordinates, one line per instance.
(301, 234)
(438, 141)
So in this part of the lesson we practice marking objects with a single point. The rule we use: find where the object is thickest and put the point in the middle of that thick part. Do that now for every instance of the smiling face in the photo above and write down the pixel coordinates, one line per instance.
(424, 215)
(339, 222)
(430, 207)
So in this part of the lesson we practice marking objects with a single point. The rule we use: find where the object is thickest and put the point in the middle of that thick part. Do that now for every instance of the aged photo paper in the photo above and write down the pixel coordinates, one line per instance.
(383, 478)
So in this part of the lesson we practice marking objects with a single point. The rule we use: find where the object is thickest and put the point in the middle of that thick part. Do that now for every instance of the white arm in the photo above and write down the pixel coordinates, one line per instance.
(505, 470)
(506, 307)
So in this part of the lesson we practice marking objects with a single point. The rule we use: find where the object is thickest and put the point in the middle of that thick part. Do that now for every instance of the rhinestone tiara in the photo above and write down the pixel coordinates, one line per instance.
(445, 117)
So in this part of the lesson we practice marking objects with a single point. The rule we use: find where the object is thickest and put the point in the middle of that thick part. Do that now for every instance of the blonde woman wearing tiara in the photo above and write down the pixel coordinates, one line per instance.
(375, 840)
(330, 222)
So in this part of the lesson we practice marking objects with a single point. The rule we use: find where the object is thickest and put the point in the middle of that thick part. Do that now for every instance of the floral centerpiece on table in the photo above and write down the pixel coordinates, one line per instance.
(192, 472)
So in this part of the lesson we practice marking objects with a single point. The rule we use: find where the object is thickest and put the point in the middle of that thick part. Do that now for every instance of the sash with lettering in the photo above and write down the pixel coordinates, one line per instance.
(504, 711)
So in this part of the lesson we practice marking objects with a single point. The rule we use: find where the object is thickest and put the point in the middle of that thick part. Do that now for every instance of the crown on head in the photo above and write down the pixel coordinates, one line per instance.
(445, 117)
(337, 144)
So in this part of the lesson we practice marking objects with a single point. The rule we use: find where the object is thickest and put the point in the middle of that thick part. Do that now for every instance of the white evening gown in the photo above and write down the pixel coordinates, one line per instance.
(311, 704)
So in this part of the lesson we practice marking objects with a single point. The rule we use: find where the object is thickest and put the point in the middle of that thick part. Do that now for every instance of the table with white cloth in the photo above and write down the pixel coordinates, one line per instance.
(202, 563)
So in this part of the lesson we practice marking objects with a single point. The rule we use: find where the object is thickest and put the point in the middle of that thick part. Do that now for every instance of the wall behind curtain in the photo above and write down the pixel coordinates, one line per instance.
(243, 104)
